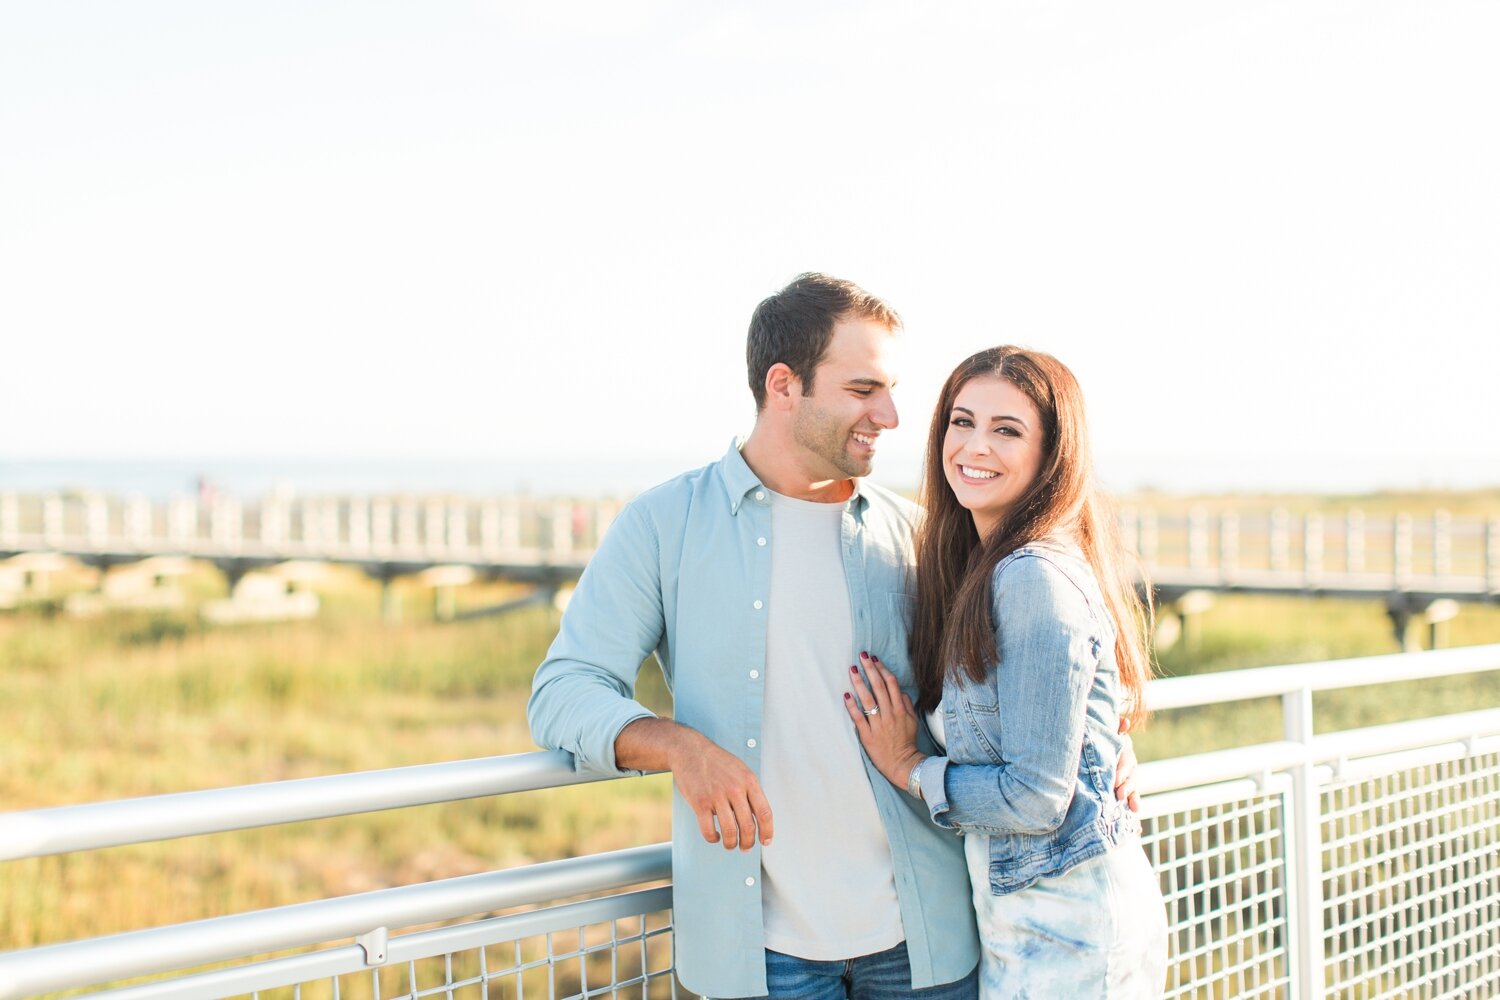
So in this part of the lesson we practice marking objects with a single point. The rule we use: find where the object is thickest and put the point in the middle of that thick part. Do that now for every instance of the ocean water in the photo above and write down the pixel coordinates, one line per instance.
(165, 478)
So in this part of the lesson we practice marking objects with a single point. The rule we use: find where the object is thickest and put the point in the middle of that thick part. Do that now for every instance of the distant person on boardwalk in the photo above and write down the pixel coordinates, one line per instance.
(798, 871)
(1028, 648)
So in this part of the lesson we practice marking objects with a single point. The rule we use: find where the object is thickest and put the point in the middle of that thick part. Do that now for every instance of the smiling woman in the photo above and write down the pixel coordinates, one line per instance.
(992, 448)
(1028, 653)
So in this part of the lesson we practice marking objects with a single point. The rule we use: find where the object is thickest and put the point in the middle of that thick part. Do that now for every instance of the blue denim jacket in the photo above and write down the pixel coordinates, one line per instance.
(683, 573)
(1032, 749)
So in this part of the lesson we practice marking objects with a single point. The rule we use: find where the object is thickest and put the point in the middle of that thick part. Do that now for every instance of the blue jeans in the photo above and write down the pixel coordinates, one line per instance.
(885, 975)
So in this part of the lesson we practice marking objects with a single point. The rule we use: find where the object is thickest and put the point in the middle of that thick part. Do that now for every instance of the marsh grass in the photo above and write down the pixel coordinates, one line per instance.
(128, 705)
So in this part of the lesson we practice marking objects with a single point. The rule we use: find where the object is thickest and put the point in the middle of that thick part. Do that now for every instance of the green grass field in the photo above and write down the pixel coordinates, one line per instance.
(127, 705)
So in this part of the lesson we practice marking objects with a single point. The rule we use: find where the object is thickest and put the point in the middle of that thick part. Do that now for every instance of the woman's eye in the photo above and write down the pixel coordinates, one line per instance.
(1007, 430)
(960, 422)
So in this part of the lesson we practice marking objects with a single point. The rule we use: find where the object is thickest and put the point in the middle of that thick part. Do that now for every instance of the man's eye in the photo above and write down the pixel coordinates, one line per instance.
(861, 392)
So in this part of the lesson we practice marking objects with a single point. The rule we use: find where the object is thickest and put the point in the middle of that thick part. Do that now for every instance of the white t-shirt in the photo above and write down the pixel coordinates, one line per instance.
(829, 887)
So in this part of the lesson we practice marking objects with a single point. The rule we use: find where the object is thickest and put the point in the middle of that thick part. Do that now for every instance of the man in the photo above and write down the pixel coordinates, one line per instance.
(758, 581)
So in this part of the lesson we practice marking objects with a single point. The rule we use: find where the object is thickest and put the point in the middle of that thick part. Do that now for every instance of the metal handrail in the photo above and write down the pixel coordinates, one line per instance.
(1301, 758)
(39, 832)
(329, 963)
(1260, 759)
(1268, 682)
(60, 829)
(137, 953)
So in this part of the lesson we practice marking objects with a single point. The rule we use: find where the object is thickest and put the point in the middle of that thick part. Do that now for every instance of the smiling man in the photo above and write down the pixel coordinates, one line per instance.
(757, 581)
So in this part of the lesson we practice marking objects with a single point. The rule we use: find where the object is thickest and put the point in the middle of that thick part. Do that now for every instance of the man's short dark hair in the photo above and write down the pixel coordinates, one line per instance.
(795, 325)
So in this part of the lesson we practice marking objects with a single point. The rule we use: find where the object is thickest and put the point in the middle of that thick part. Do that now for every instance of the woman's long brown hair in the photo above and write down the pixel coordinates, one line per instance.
(954, 629)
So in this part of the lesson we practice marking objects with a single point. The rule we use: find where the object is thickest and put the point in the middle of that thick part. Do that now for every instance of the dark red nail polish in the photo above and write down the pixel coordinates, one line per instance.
(854, 670)
(847, 696)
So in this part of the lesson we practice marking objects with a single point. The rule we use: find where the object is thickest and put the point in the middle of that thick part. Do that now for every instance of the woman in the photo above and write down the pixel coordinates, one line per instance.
(1027, 649)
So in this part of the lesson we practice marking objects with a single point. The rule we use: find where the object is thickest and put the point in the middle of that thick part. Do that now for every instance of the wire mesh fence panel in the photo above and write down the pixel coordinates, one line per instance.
(627, 957)
(1411, 886)
(1223, 877)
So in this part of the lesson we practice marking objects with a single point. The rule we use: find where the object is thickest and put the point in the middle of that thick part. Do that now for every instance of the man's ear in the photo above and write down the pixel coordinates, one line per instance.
(781, 384)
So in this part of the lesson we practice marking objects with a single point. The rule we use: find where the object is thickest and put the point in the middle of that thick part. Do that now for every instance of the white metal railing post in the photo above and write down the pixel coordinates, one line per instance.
(1280, 540)
(510, 526)
(1492, 555)
(137, 521)
(359, 525)
(1146, 539)
(1197, 538)
(182, 523)
(380, 525)
(1229, 545)
(332, 525)
(52, 520)
(1305, 846)
(1312, 549)
(1401, 551)
(10, 518)
(562, 529)
(1354, 542)
(406, 526)
(458, 526)
(434, 537)
(489, 528)
(307, 523)
(1442, 543)
(96, 521)
(267, 522)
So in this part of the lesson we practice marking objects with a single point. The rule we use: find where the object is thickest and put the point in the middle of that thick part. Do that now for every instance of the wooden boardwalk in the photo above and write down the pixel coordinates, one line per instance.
(1414, 565)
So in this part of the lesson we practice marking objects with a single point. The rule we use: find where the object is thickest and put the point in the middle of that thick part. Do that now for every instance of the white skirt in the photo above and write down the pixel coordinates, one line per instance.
(1098, 930)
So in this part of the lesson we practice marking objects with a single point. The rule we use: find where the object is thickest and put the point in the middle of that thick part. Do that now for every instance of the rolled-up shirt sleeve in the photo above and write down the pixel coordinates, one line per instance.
(1048, 657)
(583, 693)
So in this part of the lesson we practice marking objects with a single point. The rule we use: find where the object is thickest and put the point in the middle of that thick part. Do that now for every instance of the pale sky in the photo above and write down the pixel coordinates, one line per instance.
(1265, 235)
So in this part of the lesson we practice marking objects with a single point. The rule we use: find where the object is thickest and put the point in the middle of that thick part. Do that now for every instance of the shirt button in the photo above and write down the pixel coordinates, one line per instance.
(755, 675)
(760, 541)
(760, 494)
(750, 744)
(758, 605)
(749, 881)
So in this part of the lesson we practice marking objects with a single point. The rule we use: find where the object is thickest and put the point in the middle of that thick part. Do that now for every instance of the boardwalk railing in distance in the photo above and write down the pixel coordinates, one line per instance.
(1433, 557)
(1349, 554)
(1357, 863)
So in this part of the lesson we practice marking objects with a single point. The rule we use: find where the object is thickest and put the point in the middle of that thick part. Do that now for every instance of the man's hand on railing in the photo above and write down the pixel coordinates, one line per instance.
(716, 784)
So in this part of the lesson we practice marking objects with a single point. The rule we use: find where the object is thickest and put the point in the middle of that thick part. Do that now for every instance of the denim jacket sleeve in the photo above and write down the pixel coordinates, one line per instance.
(1049, 651)
(582, 694)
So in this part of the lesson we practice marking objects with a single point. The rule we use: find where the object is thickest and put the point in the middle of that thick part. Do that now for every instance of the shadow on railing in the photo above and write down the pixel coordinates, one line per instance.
(1358, 863)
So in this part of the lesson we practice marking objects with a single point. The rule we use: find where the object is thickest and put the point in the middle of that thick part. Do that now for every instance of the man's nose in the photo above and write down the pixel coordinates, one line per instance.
(885, 413)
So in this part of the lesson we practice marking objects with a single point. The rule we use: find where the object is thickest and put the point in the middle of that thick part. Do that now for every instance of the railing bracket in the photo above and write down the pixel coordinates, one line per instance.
(374, 944)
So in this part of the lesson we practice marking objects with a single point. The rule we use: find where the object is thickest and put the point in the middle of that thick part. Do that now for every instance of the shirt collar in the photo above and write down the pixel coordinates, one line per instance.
(741, 481)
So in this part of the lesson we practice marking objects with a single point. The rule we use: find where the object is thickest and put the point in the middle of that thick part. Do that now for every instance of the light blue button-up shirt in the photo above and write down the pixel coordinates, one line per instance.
(682, 573)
